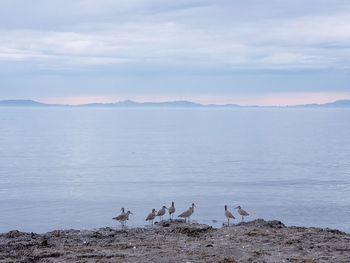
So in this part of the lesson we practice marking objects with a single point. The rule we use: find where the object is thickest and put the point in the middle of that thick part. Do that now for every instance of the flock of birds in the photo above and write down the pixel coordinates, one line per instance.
(123, 217)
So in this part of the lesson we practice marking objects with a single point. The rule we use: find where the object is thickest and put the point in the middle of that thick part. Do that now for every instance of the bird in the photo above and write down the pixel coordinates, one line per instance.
(123, 217)
(242, 212)
(161, 212)
(188, 212)
(171, 210)
(228, 215)
(122, 210)
(151, 216)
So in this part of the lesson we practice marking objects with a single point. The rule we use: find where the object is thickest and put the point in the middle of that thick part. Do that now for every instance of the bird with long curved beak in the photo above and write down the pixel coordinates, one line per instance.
(188, 213)
(228, 215)
(151, 216)
(242, 212)
(123, 217)
(161, 212)
(122, 213)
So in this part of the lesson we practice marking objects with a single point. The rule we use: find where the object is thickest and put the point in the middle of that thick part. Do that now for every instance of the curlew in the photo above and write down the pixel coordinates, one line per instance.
(171, 210)
(151, 216)
(228, 215)
(161, 212)
(123, 217)
(242, 212)
(188, 213)
(122, 210)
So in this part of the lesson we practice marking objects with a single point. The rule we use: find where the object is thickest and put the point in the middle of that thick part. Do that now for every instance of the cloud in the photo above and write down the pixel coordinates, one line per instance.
(201, 46)
(321, 41)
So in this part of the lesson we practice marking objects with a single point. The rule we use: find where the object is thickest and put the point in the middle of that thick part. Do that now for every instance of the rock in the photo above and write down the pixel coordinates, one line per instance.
(14, 234)
(176, 241)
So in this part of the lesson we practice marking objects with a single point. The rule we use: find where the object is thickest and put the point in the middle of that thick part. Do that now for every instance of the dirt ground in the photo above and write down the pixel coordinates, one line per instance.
(255, 241)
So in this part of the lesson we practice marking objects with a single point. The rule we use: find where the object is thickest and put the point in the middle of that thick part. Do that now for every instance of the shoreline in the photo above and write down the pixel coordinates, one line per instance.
(252, 241)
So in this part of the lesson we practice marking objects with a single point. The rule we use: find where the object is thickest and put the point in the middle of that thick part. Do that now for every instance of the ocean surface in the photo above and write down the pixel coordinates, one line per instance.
(64, 168)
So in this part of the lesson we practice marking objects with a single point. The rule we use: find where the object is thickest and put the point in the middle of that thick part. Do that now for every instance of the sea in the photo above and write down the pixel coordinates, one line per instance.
(71, 167)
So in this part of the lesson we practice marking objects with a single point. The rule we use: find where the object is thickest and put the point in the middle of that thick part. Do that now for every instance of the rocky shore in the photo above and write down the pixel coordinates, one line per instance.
(255, 241)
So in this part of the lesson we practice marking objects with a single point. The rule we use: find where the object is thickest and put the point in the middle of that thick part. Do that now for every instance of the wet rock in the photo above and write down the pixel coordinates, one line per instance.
(262, 223)
(14, 234)
(45, 242)
(228, 260)
(192, 230)
(335, 231)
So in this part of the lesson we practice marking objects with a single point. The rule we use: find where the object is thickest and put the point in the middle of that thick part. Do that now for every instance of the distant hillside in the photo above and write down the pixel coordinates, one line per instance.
(335, 104)
(166, 104)
(130, 103)
(338, 103)
(22, 103)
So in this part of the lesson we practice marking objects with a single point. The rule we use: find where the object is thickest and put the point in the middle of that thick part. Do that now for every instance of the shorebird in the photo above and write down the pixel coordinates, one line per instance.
(228, 215)
(151, 216)
(171, 210)
(122, 210)
(123, 217)
(161, 212)
(242, 212)
(188, 213)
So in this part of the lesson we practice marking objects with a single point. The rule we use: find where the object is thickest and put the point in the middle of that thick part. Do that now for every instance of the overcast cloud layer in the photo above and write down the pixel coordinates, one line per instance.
(260, 52)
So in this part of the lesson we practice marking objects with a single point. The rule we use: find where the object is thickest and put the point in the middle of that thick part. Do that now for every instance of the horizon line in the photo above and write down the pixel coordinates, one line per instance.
(140, 103)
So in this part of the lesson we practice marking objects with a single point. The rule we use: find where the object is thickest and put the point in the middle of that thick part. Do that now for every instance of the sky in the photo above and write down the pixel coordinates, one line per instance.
(273, 52)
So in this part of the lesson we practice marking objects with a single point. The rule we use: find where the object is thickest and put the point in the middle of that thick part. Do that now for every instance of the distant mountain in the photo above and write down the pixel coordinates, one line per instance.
(338, 103)
(22, 103)
(335, 104)
(130, 103)
(166, 104)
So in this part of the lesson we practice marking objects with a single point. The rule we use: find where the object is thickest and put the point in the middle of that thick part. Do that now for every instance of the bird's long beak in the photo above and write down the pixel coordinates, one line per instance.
(236, 207)
(131, 213)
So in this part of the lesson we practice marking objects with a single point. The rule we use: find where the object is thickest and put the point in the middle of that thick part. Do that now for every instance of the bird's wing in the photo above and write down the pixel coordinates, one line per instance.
(184, 214)
(244, 212)
(229, 214)
(149, 217)
(120, 217)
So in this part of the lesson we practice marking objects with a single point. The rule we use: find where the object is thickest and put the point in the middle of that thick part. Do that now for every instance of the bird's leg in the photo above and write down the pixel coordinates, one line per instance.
(242, 218)
(228, 221)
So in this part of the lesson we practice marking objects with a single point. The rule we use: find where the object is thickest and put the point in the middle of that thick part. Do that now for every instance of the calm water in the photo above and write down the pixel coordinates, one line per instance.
(74, 168)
